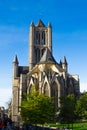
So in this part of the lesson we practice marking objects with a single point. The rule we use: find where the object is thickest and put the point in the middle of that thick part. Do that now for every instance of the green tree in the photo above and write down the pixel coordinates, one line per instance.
(37, 109)
(81, 107)
(67, 109)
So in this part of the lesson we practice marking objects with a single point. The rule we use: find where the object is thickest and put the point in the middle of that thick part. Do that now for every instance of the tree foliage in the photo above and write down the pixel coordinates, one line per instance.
(71, 108)
(67, 109)
(81, 107)
(38, 108)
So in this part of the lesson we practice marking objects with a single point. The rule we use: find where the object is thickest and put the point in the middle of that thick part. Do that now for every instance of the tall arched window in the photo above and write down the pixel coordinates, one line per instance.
(43, 38)
(37, 37)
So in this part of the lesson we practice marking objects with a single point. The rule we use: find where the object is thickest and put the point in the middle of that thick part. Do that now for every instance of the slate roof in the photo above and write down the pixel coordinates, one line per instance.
(23, 70)
(47, 57)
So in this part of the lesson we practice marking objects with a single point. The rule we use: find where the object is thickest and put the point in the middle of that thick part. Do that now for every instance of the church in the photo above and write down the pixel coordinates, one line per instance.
(43, 73)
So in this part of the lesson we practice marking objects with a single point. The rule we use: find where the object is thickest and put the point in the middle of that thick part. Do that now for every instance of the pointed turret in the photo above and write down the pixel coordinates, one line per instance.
(64, 60)
(49, 25)
(15, 60)
(32, 24)
(64, 64)
(15, 67)
(60, 63)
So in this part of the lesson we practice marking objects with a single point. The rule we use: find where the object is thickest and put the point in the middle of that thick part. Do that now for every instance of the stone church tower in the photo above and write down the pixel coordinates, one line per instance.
(43, 72)
(40, 38)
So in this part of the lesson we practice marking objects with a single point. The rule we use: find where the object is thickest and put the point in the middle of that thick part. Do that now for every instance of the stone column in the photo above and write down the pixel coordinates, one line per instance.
(31, 47)
(50, 37)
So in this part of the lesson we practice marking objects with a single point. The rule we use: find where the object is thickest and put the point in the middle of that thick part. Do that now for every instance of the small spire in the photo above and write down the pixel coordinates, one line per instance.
(16, 60)
(32, 24)
(60, 63)
(64, 60)
(49, 25)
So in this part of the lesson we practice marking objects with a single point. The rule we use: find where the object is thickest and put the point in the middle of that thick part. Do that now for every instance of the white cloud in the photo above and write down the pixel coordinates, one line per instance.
(83, 86)
(5, 96)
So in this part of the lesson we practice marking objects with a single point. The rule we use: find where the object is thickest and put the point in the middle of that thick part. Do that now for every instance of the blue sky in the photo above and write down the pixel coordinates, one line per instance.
(69, 25)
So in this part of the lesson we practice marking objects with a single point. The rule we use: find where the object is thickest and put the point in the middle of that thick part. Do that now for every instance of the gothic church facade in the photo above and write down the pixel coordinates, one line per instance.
(44, 72)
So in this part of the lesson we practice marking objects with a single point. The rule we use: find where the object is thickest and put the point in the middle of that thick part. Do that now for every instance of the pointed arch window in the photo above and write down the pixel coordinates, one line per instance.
(37, 37)
(43, 38)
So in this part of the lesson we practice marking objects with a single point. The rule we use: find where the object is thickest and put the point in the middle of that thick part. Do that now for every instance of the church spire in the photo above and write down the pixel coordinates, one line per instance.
(64, 64)
(15, 67)
(15, 60)
(60, 63)
(32, 24)
(64, 60)
(49, 25)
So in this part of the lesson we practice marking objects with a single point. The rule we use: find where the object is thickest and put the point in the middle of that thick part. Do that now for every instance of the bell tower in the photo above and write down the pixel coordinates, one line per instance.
(40, 37)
